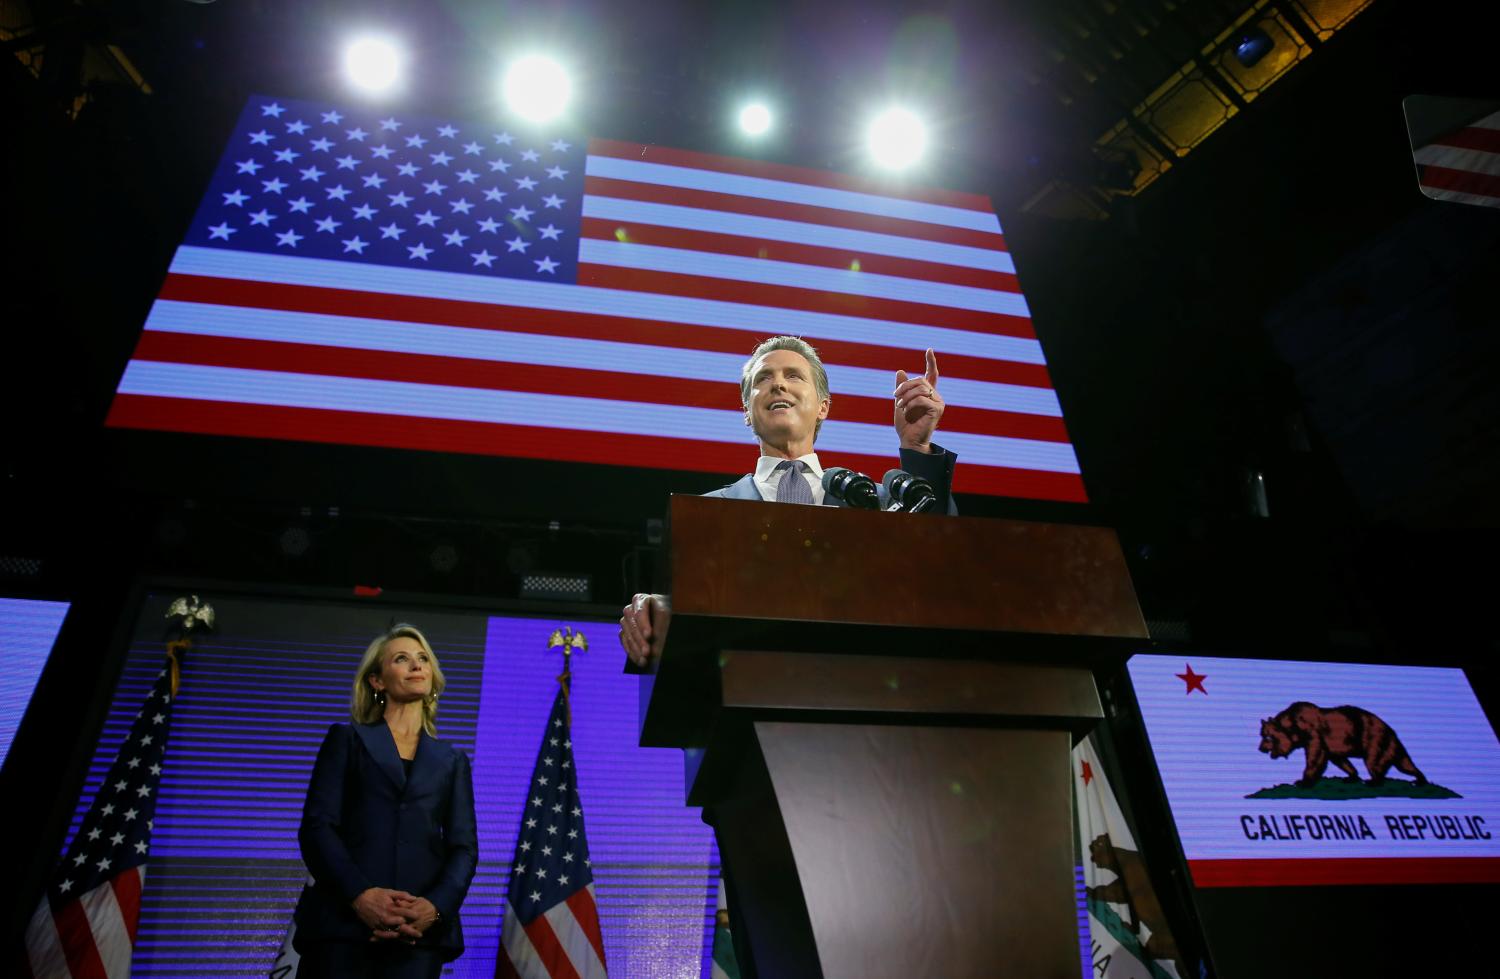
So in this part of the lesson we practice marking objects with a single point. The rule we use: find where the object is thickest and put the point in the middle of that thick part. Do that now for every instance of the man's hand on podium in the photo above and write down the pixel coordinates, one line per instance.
(643, 627)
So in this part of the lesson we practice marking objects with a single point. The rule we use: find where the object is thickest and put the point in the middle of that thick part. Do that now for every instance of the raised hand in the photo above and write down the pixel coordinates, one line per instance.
(918, 406)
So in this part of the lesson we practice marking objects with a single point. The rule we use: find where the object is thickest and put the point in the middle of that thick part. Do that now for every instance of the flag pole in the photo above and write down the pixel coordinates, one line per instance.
(567, 637)
(91, 909)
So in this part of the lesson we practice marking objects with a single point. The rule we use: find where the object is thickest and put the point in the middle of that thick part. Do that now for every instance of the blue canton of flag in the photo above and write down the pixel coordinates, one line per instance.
(311, 180)
(86, 923)
(551, 925)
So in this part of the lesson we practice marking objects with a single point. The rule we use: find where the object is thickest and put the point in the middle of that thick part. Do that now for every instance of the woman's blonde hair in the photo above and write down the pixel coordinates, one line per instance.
(364, 705)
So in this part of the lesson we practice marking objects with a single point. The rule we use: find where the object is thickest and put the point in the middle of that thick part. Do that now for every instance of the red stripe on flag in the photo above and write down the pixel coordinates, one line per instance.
(1472, 138)
(586, 913)
(128, 895)
(1352, 870)
(514, 319)
(549, 950)
(710, 200)
(805, 300)
(1463, 181)
(382, 365)
(529, 442)
(77, 941)
(781, 251)
(782, 171)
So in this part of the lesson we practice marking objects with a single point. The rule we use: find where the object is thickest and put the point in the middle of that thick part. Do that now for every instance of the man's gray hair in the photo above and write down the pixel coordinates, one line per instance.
(796, 345)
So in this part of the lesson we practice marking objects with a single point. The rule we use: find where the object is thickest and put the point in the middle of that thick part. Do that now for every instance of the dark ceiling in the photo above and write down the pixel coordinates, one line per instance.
(1231, 315)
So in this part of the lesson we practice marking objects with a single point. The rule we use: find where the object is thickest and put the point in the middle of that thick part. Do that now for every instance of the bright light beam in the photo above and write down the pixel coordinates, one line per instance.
(755, 119)
(897, 139)
(373, 64)
(537, 88)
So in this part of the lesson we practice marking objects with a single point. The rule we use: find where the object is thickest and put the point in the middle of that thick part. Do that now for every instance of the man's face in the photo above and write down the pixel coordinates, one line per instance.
(784, 405)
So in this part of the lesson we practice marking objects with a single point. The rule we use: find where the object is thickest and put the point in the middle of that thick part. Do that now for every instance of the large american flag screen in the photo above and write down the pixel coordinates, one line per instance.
(371, 279)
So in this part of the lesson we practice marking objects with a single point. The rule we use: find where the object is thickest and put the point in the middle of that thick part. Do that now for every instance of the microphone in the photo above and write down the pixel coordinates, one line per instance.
(910, 493)
(855, 489)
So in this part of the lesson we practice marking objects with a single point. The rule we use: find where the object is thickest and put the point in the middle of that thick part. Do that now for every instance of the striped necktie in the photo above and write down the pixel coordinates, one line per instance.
(793, 488)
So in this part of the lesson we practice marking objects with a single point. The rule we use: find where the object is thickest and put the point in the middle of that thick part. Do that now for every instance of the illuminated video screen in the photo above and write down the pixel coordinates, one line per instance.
(30, 627)
(1291, 773)
(257, 698)
(363, 278)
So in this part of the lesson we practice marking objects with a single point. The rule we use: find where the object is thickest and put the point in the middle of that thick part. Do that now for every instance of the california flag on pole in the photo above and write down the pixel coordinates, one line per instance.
(1130, 937)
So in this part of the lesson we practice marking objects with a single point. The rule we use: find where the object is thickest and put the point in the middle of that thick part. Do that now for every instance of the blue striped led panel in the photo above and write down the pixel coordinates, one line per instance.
(30, 627)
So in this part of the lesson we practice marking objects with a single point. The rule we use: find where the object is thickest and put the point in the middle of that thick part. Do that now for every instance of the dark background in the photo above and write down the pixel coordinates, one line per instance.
(1281, 303)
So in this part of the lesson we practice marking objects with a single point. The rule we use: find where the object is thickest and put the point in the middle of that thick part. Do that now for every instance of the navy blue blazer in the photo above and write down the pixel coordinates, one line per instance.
(936, 467)
(365, 824)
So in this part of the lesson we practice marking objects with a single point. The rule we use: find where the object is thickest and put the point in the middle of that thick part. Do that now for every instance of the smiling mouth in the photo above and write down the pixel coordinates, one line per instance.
(778, 405)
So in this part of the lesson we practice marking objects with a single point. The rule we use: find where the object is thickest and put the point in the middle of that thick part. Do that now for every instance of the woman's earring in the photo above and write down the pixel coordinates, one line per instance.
(380, 697)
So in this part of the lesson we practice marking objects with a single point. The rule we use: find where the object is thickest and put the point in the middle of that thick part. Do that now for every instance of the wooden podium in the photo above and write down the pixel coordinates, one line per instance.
(879, 711)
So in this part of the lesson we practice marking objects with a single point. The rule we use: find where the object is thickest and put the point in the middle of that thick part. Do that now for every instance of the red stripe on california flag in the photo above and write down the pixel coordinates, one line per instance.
(805, 300)
(127, 888)
(1472, 138)
(782, 171)
(484, 316)
(530, 442)
(77, 941)
(384, 365)
(549, 950)
(1351, 870)
(709, 200)
(1463, 181)
(781, 251)
(586, 913)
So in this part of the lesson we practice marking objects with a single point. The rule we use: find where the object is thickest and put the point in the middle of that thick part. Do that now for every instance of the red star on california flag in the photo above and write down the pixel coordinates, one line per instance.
(1088, 773)
(1193, 680)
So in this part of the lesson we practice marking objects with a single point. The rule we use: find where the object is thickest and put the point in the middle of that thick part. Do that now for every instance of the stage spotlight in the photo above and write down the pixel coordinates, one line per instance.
(537, 88)
(755, 119)
(1251, 45)
(897, 139)
(373, 64)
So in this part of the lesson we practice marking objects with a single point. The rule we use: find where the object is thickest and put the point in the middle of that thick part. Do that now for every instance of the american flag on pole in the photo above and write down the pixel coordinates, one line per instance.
(370, 279)
(85, 925)
(1456, 145)
(551, 925)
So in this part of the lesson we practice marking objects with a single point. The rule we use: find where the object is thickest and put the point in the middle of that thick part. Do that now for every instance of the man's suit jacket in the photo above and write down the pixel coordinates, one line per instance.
(936, 467)
(366, 824)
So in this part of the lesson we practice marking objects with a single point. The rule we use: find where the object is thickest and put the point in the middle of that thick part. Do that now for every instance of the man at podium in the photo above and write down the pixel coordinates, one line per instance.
(784, 393)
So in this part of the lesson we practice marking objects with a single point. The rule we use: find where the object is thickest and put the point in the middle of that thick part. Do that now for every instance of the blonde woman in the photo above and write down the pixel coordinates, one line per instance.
(388, 831)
